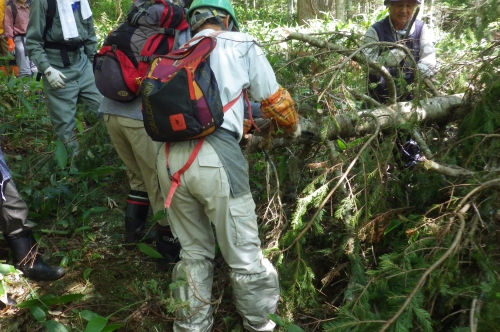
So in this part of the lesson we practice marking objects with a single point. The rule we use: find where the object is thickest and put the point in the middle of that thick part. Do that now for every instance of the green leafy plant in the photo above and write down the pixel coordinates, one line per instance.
(284, 326)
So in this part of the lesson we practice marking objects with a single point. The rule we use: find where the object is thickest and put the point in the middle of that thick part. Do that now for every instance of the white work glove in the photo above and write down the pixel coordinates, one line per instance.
(392, 58)
(55, 78)
(296, 133)
(424, 70)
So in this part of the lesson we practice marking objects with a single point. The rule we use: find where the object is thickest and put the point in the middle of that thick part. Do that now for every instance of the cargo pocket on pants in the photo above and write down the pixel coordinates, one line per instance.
(212, 175)
(245, 223)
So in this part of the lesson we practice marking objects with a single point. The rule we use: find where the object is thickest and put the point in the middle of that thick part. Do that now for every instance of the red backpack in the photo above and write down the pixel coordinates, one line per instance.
(180, 95)
(151, 29)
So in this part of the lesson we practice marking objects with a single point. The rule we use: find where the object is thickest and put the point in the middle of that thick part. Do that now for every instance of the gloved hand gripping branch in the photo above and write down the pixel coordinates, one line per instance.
(281, 107)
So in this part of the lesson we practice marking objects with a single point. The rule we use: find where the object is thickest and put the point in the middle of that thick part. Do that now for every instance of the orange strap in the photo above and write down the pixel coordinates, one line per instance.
(176, 178)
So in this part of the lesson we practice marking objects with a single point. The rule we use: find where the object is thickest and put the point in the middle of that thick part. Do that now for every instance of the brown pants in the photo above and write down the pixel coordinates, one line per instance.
(4, 47)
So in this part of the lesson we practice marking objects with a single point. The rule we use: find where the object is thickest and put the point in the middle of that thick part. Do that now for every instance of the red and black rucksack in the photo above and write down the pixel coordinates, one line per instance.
(151, 29)
(180, 95)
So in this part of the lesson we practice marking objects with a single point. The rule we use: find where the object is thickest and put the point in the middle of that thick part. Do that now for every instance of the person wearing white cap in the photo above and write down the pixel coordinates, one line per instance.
(419, 40)
(61, 41)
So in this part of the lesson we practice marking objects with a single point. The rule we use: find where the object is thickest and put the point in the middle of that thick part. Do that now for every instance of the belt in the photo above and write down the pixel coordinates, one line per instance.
(64, 49)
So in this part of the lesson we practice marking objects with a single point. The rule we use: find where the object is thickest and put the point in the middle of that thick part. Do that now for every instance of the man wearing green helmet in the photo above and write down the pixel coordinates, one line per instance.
(419, 40)
(202, 10)
(215, 191)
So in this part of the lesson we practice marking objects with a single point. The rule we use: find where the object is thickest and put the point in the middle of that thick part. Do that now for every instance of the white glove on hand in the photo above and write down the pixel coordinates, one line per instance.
(424, 70)
(296, 133)
(393, 57)
(55, 78)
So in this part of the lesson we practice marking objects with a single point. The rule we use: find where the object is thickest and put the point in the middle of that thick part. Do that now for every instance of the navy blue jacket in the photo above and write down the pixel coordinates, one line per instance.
(385, 34)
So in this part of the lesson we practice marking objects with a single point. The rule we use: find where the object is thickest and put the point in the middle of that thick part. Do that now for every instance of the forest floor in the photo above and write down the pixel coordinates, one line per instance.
(126, 285)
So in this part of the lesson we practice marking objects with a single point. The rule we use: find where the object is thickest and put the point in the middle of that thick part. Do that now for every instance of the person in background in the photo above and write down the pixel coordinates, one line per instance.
(419, 40)
(17, 231)
(138, 152)
(15, 24)
(4, 47)
(215, 189)
(61, 41)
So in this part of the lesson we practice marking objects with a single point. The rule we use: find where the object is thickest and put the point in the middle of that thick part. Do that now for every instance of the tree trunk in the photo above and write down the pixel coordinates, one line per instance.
(438, 109)
(290, 7)
(311, 9)
(339, 10)
(349, 9)
(305, 11)
(431, 14)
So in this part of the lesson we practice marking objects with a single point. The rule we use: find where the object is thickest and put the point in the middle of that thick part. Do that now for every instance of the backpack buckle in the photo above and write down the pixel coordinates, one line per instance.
(166, 31)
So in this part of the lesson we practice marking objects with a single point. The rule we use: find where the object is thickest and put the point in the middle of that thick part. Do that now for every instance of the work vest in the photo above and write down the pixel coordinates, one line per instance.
(385, 34)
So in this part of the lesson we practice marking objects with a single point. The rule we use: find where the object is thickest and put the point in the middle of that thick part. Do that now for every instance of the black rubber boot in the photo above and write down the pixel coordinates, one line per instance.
(136, 215)
(26, 258)
(10, 303)
(167, 245)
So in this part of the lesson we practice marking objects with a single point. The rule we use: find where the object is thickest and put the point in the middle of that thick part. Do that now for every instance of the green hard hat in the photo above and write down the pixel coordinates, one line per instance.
(214, 4)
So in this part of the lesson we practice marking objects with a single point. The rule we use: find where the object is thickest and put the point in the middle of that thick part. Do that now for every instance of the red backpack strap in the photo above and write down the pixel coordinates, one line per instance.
(250, 116)
(231, 103)
(176, 177)
(168, 22)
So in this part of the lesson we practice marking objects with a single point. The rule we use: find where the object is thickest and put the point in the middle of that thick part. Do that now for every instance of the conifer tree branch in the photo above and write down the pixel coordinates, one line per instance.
(456, 241)
(356, 55)
(475, 190)
(339, 182)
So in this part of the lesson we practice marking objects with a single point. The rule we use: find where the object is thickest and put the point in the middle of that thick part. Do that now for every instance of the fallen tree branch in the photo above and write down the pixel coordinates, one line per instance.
(354, 55)
(456, 241)
(485, 185)
(339, 182)
(446, 170)
(347, 125)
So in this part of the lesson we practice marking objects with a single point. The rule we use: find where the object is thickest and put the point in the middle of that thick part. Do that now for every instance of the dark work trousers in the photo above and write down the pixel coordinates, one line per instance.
(13, 210)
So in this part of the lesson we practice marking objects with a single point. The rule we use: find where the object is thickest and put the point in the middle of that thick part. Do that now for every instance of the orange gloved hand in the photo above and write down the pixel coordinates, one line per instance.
(11, 44)
(281, 107)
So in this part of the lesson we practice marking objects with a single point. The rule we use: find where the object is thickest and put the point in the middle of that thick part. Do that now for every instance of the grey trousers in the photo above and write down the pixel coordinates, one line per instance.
(13, 210)
(201, 201)
(61, 103)
(26, 67)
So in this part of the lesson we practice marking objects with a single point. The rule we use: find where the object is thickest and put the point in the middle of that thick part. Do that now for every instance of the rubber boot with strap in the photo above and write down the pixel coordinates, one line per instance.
(26, 258)
(135, 216)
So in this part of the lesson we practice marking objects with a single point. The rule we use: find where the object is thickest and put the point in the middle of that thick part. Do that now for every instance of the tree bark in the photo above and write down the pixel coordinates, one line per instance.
(290, 7)
(339, 10)
(310, 9)
(345, 125)
(305, 11)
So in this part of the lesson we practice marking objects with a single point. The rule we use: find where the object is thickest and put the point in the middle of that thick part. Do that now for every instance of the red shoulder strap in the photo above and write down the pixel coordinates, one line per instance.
(165, 21)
